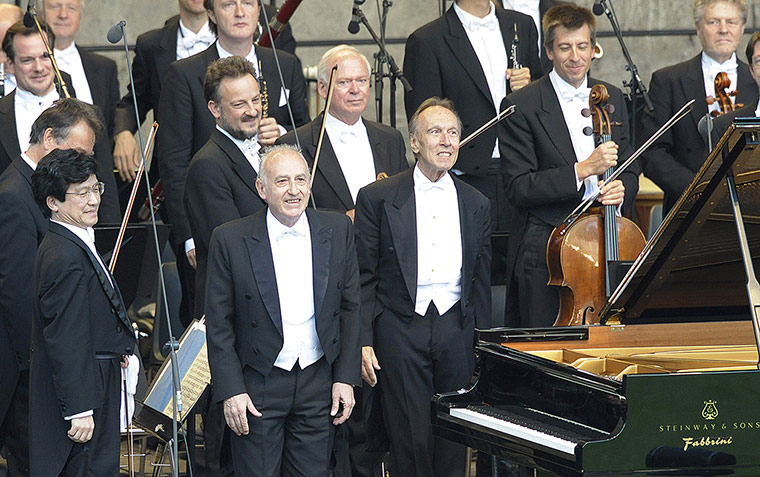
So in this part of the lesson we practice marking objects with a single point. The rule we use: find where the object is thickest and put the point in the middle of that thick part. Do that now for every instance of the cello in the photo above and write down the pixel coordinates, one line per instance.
(584, 257)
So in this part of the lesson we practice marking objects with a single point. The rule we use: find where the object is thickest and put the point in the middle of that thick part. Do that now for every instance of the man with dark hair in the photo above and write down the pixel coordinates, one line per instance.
(465, 56)
(70, 124)
(355, 151)
(424, 248)
(189, 122)
(553, 165)
(221, 179)
(282, 311)
(81, 333)
(673, 160)
(181, 36)
(36, 91)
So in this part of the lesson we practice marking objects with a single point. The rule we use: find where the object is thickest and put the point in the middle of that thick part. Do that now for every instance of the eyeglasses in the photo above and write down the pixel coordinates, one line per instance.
(97, 189)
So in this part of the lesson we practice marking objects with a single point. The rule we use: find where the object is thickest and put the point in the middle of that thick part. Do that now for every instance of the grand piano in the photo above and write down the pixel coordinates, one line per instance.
(668, 384)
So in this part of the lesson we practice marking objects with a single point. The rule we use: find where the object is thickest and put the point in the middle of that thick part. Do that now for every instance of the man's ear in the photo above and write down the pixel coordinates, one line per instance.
(260, 189)
(52, 203)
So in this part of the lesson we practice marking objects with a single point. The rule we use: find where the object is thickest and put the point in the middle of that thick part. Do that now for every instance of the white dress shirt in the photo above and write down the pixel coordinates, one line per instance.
(29, 161)
(70, 61)
(249, 148)
(291, 253)
(10, 83)
(439, 243)
(572, 101)
(88, 237)
(710, 69)
(485, 37)
(351, 145)
(28, 108)
(190, 43)
(530, 8)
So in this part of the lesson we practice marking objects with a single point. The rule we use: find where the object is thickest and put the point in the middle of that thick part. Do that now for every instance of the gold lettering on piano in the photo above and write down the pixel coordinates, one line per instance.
(704, 441)
(746, 425)
(710, 410)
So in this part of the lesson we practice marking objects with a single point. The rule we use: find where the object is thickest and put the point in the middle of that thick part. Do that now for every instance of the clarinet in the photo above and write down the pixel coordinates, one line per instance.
(264, 94)
(513, 52)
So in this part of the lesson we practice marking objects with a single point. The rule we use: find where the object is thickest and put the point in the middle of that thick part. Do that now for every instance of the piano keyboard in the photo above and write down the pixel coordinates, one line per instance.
(530, 425)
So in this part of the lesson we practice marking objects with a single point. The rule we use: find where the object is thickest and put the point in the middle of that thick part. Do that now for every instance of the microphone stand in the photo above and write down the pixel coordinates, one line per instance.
(172, 344)
(636, 85)
(381, 58)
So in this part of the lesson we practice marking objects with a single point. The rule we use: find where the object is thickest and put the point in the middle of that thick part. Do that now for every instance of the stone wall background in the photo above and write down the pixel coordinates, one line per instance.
(657, 32)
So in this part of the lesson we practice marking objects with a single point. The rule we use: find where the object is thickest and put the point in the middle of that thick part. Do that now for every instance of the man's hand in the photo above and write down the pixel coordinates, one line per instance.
(342, 393)
(81, 429)
(269, 131)
(613, 193)
(235, 413)
(603, 157)
(126, 156)
(518, 78)
(191, 258)
(369, 365)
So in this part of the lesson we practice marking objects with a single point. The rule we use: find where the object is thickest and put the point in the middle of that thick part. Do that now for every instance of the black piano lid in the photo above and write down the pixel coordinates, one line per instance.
(691, 269)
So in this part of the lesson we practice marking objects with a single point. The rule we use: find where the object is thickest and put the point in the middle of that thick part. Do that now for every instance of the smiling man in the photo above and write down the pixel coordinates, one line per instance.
(424, 247)
(675, 158)
(282, 307)
(355, 150)
(553, 164)
(80, 333)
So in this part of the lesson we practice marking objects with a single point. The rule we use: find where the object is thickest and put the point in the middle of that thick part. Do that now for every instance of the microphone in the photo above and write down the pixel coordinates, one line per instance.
(598, 8)
(31, 12)
(353, 25)
(116, 32)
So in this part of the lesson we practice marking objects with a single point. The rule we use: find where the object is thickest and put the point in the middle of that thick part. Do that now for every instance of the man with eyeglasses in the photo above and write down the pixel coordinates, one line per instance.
(80, 334)
(675, 158)
(69, 123)
(35, 92)
(355, 151)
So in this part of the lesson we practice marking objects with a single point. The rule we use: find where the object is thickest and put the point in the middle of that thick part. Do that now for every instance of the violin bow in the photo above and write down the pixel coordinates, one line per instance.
(583, 206)
(498, 118)
(330, 88)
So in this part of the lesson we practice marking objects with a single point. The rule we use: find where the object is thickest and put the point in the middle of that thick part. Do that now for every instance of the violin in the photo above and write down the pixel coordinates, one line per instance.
(722, 97)
(583, 258)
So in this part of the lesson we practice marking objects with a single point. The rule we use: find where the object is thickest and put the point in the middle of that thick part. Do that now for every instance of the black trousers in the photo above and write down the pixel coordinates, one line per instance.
(294, 436)
(532, 303)
(430, 354)
(15, 428)
(100, 455)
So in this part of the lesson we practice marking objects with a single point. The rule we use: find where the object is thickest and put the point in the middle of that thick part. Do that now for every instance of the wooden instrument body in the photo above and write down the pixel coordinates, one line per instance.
(576, 261)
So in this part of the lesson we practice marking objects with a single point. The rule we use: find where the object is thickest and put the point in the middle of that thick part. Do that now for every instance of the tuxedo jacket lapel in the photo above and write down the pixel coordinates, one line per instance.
(380, 154)
(9, 134)
(694, 87)
(329, 167)
(262, 267)
(553, 121)
(402, 221)
(240, 163)
(321, 244)
(462, 50)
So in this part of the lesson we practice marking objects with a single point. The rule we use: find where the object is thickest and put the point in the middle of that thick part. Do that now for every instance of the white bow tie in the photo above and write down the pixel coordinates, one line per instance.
(288, 234)
(66, 56)
(347, 136)
(487, 23)
(35, 103)
(581, 94)
(251, 147)
(430, 186)
(190, 41)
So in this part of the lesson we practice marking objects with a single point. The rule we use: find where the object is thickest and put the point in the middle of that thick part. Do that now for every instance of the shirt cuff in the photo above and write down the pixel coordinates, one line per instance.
(283, 131)
(189, 245)
(77, 416)
(578, 182)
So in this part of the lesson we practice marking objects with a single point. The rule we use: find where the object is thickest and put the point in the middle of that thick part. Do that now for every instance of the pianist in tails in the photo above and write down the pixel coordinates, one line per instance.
(551, 164)
(80, 333)
(423, 241)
